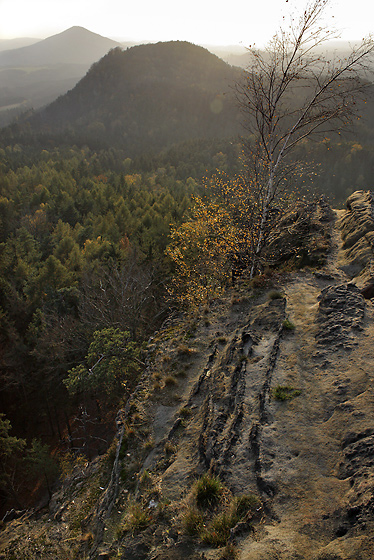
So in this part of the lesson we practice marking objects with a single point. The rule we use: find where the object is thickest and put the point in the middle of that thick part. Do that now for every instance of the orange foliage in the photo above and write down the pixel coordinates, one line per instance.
(221, 232)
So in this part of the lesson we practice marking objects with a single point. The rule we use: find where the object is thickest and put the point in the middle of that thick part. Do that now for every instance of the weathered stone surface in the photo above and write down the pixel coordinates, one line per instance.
(367, 289)
(359, 218)
(302, 234)
(340, 315)
(358, 455)
(358, 465)
(357, 231)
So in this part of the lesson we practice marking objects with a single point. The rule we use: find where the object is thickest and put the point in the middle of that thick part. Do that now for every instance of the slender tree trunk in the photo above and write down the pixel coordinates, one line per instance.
(69, 429)
(264, 218)
(48, 485)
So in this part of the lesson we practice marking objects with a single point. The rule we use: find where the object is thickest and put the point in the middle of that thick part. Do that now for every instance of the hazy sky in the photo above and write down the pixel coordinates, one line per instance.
(199, 21)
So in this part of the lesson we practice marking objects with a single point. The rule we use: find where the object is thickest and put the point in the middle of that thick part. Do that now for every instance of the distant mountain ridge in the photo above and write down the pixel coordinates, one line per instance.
(145, 98)
(240, 56)
(76, 45)
(35, 75)
(16, 43)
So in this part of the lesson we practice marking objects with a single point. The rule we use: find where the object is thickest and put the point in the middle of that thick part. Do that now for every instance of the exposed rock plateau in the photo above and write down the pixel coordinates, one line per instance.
(209, 402)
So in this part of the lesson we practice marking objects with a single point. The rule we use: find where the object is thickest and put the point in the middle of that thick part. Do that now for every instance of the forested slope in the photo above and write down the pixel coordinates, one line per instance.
(144, 98)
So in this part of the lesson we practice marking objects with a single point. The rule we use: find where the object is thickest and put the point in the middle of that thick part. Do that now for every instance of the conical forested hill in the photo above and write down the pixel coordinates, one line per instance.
(144, 98)
(75, 45)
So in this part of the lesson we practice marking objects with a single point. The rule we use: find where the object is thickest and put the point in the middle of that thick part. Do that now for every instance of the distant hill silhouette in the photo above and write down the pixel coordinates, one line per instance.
(145, 98)
(35, 75)
(76, 45)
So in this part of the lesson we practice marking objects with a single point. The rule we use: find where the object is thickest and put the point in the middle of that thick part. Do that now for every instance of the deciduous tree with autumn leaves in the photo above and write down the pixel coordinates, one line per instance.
(291, 91)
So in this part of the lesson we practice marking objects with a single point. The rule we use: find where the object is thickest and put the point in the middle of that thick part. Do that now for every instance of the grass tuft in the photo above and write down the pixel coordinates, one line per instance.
(145, 479)
(208, 491)
(229, 552)
(170, 381)
(193, 521)
(274, 294)
(285, 393)
(242, 505)
(218, 530)
(137, 519)
(288, 325)
(215, 512)
(170, 448)
(185, 412)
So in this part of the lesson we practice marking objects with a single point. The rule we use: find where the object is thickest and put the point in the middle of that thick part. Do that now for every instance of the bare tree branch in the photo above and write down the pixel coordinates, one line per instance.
(292, 91)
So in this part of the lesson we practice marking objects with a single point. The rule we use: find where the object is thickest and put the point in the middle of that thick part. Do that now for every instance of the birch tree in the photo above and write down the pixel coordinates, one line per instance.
(292, 90)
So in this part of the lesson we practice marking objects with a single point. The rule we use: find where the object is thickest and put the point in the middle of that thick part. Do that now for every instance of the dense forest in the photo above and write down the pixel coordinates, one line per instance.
(73, 229)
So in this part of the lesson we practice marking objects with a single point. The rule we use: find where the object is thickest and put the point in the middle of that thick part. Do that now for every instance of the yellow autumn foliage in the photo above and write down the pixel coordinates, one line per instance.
(206, 248)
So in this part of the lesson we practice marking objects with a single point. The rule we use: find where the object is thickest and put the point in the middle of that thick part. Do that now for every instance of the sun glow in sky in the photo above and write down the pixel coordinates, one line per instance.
(219, 22)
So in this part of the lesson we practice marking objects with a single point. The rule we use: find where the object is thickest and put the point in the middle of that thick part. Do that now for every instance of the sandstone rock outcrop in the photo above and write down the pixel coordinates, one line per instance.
(340, 316)
(357, 231)
(302, 234)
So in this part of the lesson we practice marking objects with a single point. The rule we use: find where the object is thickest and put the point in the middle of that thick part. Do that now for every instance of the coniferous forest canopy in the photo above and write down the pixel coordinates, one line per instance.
(90, 189)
